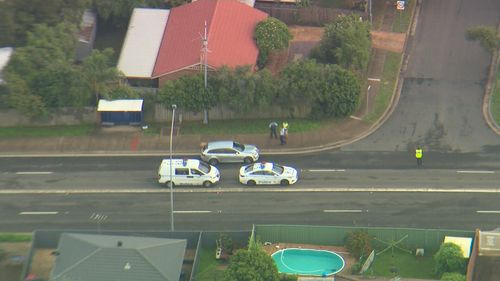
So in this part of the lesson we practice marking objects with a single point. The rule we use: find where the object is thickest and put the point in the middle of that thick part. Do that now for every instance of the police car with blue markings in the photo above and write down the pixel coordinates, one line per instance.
(267, 173)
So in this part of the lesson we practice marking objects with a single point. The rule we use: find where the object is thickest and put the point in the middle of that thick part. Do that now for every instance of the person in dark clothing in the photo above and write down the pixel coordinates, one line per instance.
(273, 127)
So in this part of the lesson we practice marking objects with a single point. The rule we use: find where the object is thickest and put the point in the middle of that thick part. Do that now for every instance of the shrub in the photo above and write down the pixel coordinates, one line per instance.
(452, 276)
(449, 258)
(288, 277)
(359, 243)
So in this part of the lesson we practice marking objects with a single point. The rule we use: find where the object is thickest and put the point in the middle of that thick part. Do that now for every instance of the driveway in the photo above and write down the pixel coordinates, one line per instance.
(443, 88)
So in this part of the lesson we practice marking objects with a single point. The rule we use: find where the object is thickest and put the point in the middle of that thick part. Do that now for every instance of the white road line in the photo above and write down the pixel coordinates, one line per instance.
(475, 172)
(327, 170)
(34, 173)
(342, 211)
(38, 213)
(192, 212)
(488, 212)
(374, 79)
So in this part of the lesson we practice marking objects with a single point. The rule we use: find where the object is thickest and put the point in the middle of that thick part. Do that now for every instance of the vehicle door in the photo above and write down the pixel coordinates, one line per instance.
(269, 177)
(230, 155)
(182, 177)
(198, 177)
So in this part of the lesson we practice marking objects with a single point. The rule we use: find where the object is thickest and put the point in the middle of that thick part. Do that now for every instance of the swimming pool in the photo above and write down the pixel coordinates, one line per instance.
(308, 262)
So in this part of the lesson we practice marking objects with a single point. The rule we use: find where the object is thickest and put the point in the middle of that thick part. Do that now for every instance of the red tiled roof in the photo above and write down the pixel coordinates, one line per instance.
(230, 27)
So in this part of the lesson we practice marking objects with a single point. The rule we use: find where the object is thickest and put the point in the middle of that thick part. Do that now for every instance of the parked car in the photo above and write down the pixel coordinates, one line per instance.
(188, 172)
(268, 173)
(229, 151)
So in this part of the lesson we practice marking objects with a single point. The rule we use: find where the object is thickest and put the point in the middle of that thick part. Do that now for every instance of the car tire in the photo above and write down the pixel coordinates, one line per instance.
(251, 183)
(284, 182)
(167, 184)
(213, 161)
(248, 160)
(207, 184)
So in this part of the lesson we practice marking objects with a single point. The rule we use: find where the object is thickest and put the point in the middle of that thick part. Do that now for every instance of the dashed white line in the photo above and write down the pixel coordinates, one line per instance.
(38, 213)
(192, 212)
(475, 172)
(342, 211)
(327, 170)
(488, 212)
(34, 173)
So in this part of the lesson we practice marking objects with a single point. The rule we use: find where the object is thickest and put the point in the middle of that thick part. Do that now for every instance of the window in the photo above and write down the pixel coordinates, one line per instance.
(196, 172)
(182, 171)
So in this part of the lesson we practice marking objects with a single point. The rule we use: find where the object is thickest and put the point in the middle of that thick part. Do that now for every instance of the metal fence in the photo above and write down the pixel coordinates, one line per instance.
(428, 239)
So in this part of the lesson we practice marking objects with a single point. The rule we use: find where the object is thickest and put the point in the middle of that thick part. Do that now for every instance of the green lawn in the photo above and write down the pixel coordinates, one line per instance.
(495, 100)
(49, 131)
(389, 75)
(15, 237)
(208, 270)
(402, 18)
(258, 126)
(409, 265)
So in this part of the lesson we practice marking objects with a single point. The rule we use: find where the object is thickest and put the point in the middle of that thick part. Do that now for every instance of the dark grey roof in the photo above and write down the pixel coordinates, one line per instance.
(86, 257)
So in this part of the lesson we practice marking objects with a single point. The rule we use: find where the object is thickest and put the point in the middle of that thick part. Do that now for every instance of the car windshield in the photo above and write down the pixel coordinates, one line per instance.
(238, 146)
(204, 167)
(249, 168)
(278, 169)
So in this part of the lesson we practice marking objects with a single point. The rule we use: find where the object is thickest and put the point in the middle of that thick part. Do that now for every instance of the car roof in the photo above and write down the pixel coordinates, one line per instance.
(220, 144)
(262, 166)
(188, 163)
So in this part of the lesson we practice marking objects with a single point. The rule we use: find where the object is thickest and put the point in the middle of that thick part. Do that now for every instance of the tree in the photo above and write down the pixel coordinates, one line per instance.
(271, 35)
(188, 93)
(251, 265)
(452, 276)
(345, 42)
(17, 18)
(449, 258)
(359, 243)
(99, 75)
(487, 37)
(118, 12)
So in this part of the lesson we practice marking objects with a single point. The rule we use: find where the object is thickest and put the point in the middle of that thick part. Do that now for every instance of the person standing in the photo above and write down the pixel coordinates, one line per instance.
(418, 156)
(273, 127)
(283, 133)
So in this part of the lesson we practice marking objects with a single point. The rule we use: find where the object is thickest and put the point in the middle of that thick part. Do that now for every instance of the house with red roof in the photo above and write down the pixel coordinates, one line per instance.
(162, 45)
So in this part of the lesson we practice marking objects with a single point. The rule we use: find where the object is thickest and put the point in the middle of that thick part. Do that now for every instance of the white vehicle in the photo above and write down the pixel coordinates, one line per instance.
(188, 172)
(267, 173)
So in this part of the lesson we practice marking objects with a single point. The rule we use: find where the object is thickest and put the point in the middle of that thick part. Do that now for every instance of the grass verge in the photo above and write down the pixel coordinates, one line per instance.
(388, 82)
(49, 131)
(409, 265)
(402, 18)
(257, 126)
(15, 237)
(495, 99)
(209, 267)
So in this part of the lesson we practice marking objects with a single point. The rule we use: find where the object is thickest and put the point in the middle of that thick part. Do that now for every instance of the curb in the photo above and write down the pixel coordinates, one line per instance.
(488, 90)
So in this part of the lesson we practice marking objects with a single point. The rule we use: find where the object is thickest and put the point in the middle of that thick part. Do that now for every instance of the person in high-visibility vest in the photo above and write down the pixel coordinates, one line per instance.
(418, 156)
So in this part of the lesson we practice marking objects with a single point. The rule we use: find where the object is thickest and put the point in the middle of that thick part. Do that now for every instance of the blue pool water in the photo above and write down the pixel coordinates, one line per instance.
(308, 262)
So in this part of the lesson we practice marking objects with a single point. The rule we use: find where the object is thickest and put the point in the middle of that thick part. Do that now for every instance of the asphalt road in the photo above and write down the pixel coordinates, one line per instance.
(238, 211)
(326, 170)
(443, 88)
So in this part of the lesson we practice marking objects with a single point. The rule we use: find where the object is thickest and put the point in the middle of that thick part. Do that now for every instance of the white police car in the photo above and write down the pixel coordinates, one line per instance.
(267, 173)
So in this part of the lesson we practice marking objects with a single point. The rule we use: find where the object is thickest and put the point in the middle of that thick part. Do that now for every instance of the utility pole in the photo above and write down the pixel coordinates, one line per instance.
(204, 50)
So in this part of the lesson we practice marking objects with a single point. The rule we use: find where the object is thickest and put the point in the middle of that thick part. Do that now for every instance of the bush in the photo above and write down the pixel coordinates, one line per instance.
(449, 258)
(452, 276)
(359, 243)
(288, 277)
(355, 268)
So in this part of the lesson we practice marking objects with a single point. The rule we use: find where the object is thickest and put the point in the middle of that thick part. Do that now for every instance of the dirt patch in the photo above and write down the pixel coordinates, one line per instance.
(389, 41)
(13, 259)
(306, 33)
